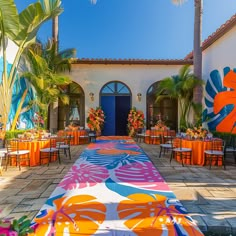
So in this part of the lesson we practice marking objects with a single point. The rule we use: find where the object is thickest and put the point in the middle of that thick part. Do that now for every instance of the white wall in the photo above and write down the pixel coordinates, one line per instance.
(10, 51)
(221, 54)
(137, 77)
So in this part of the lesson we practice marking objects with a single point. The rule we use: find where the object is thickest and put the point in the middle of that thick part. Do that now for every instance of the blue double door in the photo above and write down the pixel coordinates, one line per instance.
(116, 109)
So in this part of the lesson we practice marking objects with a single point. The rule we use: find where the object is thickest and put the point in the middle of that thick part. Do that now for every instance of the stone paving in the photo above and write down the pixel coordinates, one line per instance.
(208, 195)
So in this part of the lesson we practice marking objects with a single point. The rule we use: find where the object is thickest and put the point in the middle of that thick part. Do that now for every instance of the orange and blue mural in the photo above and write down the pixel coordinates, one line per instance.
(113, 189)
(220, 101)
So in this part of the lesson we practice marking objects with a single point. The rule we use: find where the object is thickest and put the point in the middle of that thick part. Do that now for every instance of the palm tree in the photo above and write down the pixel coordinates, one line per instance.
(180, 87)
(21, 29)
(197, 51)
(46, 83)
(54, 63)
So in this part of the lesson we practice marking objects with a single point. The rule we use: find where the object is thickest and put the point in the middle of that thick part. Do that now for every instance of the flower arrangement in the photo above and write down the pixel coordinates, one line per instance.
(197, 133)
(135, 121)
(160, 125)
(34, 134)
(95, 119)
(38, 120)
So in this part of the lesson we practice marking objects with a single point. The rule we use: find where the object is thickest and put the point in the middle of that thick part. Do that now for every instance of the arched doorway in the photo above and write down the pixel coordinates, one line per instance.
(167, 108)
(115, 100)
(74, 111)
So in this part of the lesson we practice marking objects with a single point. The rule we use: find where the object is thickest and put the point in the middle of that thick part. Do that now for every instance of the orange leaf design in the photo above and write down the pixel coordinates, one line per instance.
(225, 98)
(151, 215)
(80, 214)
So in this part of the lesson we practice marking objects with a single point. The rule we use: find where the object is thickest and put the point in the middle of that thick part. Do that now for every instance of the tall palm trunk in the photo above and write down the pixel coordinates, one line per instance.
(55, 31)
(52, 116)
(197, 52)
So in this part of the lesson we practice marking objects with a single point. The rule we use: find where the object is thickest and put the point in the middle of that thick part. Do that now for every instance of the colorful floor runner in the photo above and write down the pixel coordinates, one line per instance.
(113, 189)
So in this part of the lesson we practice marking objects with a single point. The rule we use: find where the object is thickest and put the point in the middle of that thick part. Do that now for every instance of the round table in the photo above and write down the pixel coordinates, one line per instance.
(198, 147)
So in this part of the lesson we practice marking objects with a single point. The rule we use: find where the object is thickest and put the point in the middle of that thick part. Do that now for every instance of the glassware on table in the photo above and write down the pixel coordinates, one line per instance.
(210, 136)
(20, 136)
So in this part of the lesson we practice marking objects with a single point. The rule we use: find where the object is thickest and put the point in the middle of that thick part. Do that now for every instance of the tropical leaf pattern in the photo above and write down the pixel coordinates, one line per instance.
(219, 100)
(79, 214)
(113, 189)
(153, 215)
(84, 175)
(149, 178)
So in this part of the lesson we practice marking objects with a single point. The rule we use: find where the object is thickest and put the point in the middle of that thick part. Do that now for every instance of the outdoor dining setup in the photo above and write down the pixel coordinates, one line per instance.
(196, 146)
(36, 147)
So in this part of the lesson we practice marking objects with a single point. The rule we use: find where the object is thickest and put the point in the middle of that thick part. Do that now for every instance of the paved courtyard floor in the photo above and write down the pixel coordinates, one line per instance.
(208, 195)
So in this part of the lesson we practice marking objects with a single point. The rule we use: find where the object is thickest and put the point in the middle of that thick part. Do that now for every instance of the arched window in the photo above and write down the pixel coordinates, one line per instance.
(167, 108)
(115, 88)
(74, 112)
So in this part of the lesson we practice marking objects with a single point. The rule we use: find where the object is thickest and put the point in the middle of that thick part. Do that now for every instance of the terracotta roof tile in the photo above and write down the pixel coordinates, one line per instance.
(222, 30)
(132, 61)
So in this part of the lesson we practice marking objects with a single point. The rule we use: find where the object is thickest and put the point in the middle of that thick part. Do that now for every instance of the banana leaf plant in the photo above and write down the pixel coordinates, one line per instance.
(180, 87)
(20, 28)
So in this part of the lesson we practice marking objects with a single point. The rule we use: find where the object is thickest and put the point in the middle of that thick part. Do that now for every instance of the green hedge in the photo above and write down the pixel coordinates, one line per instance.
(13, 134)
(222, 134)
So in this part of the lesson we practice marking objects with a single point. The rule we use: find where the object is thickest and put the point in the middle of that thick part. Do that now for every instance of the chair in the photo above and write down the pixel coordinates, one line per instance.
(181, 152)
(14, 152)
(216, 152)
(154, 136)
(64, 145)
(92, 136)
(3, 154)
(51, 151)
(84, 137)
(166, 143)
(141, 135)
(230, 145)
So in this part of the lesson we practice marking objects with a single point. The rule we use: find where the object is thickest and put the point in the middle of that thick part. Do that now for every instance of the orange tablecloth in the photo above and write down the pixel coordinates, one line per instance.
(75, 136)
(198, 147)
(157, 133)
(34, 147)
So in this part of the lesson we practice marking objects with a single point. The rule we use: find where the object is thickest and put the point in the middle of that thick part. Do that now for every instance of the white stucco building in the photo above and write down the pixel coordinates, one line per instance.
(103, 78)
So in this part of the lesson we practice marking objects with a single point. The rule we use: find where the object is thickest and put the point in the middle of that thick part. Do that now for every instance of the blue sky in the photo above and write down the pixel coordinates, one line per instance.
(137, 29)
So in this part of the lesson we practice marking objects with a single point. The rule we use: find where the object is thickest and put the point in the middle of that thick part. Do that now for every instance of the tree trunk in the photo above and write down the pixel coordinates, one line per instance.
(197, 52)
(55, 31)
(55, 36)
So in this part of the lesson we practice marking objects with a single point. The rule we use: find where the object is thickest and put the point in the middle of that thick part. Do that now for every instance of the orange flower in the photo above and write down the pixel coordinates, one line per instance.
(135, 121)
(95, 119)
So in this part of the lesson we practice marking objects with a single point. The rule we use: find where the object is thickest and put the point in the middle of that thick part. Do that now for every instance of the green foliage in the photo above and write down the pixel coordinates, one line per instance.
(44, 65)
(22, 30)
(222, 134)
(181, 87)
(13, 134)
(22, 226)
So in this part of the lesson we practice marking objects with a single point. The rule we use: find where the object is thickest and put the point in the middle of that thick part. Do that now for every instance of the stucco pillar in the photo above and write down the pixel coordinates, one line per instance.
(53, 117)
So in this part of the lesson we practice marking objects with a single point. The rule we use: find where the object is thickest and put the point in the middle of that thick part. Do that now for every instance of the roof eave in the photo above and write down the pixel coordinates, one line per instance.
(131, 61)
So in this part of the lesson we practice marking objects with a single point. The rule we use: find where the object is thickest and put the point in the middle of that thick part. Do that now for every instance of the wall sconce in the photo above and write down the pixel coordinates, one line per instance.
(139, 95)
(91, 95)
